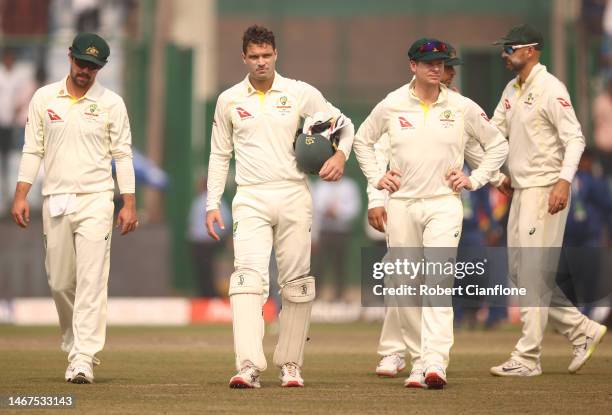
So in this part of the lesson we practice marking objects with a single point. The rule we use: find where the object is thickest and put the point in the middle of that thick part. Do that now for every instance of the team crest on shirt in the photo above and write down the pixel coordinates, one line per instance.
(447, 119)
(530, 99)
(283, 105)
(91, 112)
(243, 114)
(404, 123)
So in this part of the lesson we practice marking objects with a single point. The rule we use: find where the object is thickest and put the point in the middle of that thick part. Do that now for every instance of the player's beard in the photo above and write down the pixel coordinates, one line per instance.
(81, 79)
(515, 66)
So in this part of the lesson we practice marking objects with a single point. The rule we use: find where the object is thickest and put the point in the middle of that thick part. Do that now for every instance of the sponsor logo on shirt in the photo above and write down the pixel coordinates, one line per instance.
(483, 115)
(243, 114)
(507, 104)
(564, 103)
(404, 123)
(53, 116)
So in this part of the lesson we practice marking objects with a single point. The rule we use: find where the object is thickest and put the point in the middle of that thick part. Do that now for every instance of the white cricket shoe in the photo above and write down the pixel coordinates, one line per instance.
(583, 352)
(290, 376)
(390, 365)
(68, 374)
(416, 379)
(246, 378)
(513, 367)
(82, 373)
(435, 377)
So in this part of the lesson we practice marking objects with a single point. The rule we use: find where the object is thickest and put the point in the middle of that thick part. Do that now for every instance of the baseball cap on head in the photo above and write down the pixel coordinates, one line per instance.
(522, 35)
(426, 49)
(454, 60)
(91, 48)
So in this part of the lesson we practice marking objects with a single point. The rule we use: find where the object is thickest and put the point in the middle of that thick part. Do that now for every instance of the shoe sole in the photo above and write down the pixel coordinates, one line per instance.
(384, 374)
(415, 385)
(596, 340)
(292, 384)
(81, 379)
(514, 374)
(434, 381)
(240, 384)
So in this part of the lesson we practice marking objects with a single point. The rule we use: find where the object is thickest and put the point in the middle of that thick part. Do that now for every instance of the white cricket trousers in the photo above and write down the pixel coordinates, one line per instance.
(266, 216)
(531, 226)
(425, 332)
(77, 264)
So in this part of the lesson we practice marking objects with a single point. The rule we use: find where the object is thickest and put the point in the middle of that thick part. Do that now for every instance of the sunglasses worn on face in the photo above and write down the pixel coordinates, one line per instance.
(432, 47)
(86, 64)
(510, 49)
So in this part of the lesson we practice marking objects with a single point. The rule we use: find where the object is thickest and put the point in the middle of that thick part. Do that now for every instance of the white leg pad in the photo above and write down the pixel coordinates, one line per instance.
(247, 318)
(246, 281)
(297, 297)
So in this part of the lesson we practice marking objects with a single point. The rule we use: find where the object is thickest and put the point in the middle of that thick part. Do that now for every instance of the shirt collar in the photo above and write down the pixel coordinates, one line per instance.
(277, 84)
(442, 96)
(537, 69)
(93, 94)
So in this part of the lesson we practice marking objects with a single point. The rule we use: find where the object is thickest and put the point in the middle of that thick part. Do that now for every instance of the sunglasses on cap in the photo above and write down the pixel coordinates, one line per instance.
(432, 47)
(510, 49)
(86, 64)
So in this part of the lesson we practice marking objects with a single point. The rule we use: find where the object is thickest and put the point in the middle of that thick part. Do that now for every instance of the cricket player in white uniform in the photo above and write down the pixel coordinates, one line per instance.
(428, 126)
(75, 127)
(546, 142)
(257, 119)
(393, 337)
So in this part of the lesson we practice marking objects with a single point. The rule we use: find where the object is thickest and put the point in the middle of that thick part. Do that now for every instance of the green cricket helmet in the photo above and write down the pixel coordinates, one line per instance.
(312, 151)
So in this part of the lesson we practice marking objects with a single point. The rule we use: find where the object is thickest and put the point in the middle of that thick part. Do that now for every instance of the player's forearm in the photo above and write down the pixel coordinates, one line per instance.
(366, 157)
(494, 157)
(125, 175)
(28, 168)
(21, 190)
(376, 198)
(347, 135)
(217, 175)
(129, 200)
(573, 152)
(473, 157)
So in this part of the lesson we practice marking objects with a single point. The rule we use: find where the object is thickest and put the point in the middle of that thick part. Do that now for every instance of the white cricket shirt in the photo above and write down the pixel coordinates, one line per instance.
(260, 129)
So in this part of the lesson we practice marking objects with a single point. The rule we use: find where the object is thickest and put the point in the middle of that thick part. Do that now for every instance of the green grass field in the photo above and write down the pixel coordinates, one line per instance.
(186, 370)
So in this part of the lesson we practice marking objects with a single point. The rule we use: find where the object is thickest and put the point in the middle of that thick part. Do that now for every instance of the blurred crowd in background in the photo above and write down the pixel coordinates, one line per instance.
(340, 209)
